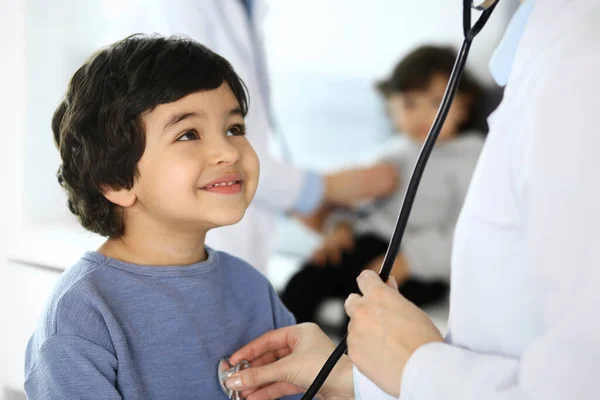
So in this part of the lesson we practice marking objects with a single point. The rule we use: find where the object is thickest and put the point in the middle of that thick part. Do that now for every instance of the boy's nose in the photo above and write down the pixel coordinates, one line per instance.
(224, 152)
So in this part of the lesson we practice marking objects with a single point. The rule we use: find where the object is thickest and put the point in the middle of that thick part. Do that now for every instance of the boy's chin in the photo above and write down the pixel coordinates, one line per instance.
(226, 219)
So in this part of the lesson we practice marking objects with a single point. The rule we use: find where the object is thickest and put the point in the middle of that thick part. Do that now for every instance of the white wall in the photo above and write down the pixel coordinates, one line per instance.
(365, 38)
(60, 36)
(11, 120)
(12, 102)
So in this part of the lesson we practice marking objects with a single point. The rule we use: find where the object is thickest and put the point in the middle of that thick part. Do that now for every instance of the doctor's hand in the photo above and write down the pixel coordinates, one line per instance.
(351, 186)
(385, 330)
(286, 361)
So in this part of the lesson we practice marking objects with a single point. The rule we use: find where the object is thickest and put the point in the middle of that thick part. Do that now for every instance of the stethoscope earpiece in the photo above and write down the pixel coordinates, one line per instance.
(225, 370)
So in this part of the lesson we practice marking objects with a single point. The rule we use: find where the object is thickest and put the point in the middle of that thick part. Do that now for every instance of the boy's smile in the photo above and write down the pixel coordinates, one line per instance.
(227, 184)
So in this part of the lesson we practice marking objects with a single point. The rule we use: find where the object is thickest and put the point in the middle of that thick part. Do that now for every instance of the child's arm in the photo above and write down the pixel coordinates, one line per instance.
(70, 367)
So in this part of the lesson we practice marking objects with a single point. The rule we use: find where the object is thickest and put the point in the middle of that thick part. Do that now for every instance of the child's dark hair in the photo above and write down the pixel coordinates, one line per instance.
(416, 70)
(97, 127)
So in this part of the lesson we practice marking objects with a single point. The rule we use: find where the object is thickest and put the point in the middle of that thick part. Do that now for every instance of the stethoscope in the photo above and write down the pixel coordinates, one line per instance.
(225, 369)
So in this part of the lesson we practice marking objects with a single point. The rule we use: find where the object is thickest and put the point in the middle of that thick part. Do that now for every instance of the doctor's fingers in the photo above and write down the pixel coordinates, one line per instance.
(353, 302)
(372, 287)
(356, 302)
(284, 338)
(255, 378)
(270, 357)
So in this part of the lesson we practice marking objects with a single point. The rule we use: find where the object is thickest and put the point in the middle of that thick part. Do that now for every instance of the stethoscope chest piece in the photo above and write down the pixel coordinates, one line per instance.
(225, 370)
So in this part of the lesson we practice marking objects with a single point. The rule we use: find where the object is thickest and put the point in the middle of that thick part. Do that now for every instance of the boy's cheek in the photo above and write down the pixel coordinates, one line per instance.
(252, 163)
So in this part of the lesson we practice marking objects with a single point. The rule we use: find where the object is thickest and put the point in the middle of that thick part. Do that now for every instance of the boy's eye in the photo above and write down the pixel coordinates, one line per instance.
(189, 135)
(237, 130)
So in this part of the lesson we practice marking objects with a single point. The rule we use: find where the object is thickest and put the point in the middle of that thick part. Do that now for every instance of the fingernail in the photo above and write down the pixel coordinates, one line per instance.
(234, 383)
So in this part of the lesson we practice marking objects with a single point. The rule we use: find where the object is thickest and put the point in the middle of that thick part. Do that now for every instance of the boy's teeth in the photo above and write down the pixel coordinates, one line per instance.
(222, 184)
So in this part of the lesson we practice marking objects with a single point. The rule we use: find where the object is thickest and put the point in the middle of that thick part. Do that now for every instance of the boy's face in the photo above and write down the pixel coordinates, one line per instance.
(413, 112)
(198, 170)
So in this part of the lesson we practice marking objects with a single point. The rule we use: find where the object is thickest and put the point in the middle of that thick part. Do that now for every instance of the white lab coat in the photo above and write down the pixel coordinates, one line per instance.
(525, 295)
(223, 26)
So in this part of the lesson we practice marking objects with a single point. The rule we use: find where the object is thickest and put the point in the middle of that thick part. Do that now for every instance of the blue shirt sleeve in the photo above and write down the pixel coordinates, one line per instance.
(70, 367)
(311, 193)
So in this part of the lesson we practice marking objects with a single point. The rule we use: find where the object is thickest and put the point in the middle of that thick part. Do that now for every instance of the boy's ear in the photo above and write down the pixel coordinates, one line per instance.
(121, 197)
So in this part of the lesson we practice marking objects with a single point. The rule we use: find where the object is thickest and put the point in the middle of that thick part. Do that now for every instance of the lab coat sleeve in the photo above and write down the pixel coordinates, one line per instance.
(561, 190)
(70, 367)
(365, 389)
(311, 193)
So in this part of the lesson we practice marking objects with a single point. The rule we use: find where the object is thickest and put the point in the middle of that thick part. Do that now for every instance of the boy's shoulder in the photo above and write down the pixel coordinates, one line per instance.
(72, 301)
(86, 271)
(77, 281)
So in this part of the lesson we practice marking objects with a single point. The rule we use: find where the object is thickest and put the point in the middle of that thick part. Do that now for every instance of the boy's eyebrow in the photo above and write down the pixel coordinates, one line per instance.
(177, 118)
(236, 111)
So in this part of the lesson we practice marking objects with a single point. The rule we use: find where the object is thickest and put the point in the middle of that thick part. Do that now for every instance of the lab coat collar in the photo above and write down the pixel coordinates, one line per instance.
(503, 59)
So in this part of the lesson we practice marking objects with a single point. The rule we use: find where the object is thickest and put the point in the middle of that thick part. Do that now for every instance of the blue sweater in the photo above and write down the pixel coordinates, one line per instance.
(114, 330)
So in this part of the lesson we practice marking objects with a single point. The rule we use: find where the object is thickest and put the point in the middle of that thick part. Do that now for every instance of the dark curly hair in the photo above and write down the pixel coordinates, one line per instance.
(416, 70)
(97, 127)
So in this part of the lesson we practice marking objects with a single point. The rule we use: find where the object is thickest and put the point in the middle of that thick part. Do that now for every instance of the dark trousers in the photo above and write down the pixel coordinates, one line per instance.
(312, 285)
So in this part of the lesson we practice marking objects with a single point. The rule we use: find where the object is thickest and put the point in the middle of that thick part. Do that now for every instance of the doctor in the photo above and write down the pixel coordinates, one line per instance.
(232, 29)
(525, 295)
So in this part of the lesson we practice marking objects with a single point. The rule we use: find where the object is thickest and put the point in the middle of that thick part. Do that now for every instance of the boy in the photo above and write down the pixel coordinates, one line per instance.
(154, 155)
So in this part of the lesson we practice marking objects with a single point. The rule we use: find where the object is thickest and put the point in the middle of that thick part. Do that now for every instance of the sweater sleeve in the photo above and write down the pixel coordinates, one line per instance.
(70, 367)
